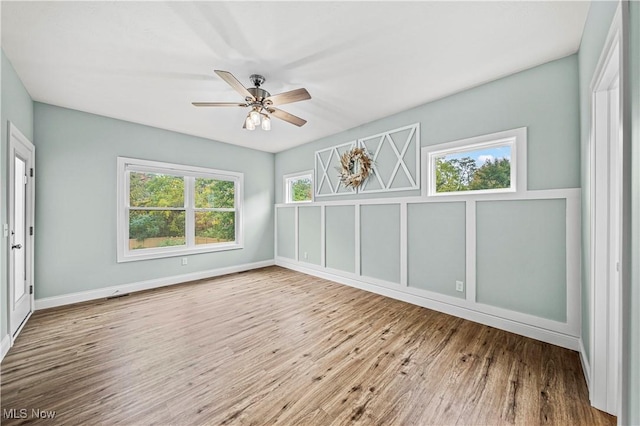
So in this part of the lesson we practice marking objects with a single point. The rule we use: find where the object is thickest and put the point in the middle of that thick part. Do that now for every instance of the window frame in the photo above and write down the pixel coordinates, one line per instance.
(286, 188)
(515, 138)
(189, 173)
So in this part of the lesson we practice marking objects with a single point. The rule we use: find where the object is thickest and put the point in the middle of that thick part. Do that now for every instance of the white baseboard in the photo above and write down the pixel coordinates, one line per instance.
(67, 299)
(5, 346)
(586, 367)
(527, 330)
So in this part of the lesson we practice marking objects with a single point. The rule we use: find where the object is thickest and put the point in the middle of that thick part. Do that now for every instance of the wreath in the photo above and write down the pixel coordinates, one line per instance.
(355, 167)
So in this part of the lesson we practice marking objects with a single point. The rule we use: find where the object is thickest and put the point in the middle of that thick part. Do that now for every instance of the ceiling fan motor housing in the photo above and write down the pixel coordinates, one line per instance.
(258, 93)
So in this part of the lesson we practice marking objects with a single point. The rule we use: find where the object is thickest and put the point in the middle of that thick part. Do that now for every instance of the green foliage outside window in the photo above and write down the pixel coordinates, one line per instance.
(463, 174)
(301, 190)
(162, 228)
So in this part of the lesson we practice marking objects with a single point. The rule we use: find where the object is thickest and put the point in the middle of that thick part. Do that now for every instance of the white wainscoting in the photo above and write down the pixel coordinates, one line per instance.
(565, 334)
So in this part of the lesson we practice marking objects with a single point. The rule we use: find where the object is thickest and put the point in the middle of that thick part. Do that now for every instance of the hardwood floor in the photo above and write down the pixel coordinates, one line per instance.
(273, 346)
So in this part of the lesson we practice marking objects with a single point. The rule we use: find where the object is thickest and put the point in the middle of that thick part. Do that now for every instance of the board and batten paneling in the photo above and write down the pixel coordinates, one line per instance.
(516, 254)
(436, 247)
(285, 237)
(520, 256)
(380, 241)
(309, 230)
(340, 231)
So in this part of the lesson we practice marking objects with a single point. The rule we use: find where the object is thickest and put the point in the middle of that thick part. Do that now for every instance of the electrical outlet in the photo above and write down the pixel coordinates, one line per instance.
(459, 286)
(185, 260)
(305, 255)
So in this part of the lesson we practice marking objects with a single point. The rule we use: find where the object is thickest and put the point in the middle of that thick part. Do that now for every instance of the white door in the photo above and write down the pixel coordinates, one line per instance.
(21, 209)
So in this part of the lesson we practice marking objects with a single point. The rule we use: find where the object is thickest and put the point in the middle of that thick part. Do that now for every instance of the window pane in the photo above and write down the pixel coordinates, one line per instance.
(155, 190)
(161, 228)
(212, 193)
(215, 227)
(300, 189)
(473, 170)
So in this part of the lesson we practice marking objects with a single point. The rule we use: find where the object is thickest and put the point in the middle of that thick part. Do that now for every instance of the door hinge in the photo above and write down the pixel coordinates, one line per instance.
(31, 230)
(30, 289)
(31, 172)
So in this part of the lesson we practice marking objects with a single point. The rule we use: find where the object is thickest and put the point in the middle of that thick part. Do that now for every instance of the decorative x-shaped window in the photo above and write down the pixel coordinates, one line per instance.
(326, 169)
(396, 160)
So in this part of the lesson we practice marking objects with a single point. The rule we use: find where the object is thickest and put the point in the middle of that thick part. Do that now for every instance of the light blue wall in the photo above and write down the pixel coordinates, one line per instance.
(76, 199)
(380, 242)
(286, 233)
(633, 320)
(309, 232)
(544, 98)
(436, 266)
(518, 246)
(593, 38)
(340, 238)
(17, 107)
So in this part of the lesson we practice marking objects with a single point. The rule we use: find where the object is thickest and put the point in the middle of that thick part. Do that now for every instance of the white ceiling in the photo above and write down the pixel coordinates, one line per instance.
(146, 62)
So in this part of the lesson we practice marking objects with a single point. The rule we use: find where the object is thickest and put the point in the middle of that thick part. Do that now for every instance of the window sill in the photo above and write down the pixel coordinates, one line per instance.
(132, 256)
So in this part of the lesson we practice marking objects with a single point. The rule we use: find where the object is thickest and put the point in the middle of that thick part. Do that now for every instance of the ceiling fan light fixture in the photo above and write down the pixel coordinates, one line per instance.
(260, 101)
(255, 117)
(266, 123)
(249, 123)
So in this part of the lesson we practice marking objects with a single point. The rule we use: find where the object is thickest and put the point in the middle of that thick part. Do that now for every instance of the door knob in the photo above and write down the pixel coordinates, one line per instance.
(16, 246)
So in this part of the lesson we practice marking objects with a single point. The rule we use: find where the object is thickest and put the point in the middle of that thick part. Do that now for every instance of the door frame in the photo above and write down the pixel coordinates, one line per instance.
(15, 136)
(606, 245)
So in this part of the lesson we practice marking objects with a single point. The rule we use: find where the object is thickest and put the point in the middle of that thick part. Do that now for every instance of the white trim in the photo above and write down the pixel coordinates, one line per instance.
(404, 242)
(413, 137)
(324, 169)
(296, 233)
(5, 346)
(605, 345)
(23, 324)
(542, 194)
(286, 193)
(323, 236)
(84, 296)
(584, 361)
(321, 170)
(515, 138)
(470, 251)
(15, 137)
(125, 164)
(358, 265)
(573, 229)
(528, 330)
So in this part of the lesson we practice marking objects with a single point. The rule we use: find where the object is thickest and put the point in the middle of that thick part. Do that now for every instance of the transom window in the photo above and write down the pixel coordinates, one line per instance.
(479, 165)
(298, 187)
(170, 209)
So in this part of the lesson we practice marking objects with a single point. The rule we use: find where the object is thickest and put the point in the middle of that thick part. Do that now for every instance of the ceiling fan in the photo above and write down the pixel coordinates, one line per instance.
(262, 103)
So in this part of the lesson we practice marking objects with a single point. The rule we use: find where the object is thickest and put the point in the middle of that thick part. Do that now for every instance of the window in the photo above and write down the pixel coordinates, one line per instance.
(171, 210)
(479, 165)
(298, 187)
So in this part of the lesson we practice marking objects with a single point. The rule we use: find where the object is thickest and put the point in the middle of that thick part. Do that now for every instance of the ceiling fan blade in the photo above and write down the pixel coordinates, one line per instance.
(235, 84)
(289, 97)
(289, 118)
(217, 104)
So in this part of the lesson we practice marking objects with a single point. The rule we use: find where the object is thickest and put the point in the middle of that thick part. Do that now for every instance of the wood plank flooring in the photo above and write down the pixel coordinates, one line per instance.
(274, 346)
